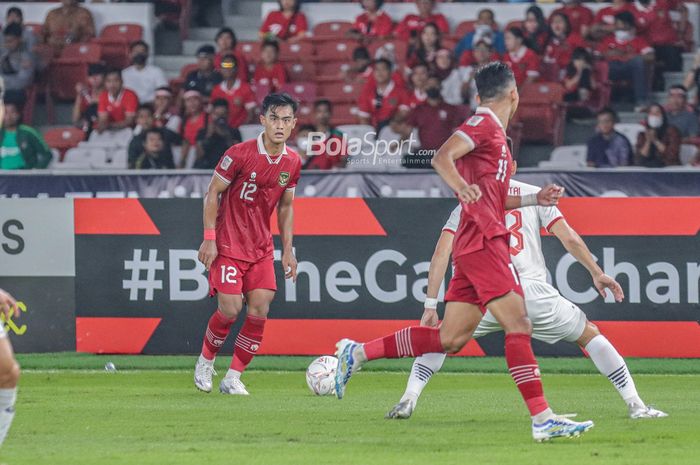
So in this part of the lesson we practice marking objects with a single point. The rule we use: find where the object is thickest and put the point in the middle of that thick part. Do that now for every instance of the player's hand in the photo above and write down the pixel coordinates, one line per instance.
(549, 195)
(8, 305)
(207, 253)
(603, 282)
(429, 318)
(289, 264)
(469, 193)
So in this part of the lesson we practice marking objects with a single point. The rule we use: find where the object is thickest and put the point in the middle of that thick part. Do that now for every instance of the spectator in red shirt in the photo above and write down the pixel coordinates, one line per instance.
(87, 97)
(629, 57)
(604, 20)
(381, 98)
(373, 23)
(524, 62)
(580, 17)
(226, 42)
(435, 120)
(195, 120)
(117, 105)
(288, 24)
(424, 52)
(240, 97)
(535, 29)
(654, 24)
(269, 71)
(419, 82)
(324, 151)
(411, 25)
(561, 44)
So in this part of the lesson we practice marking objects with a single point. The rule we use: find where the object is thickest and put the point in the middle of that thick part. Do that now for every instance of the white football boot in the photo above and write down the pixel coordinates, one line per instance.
(401, 411)
(559, 426)
(232, 385)
(642, 411)
(203, 372)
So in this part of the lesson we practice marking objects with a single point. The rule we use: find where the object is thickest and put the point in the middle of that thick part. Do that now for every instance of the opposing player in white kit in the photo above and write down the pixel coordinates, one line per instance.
(553, 317)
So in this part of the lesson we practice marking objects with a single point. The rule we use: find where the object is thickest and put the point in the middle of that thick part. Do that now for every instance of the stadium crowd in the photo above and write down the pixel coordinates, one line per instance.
(408, 78)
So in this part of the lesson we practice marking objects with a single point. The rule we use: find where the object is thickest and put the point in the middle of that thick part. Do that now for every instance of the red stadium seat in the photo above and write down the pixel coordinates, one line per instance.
(331, 30)
(296, 51)
(71, 67)
(122, 32)
(301, 71)
(302, 91)
(177, 83)
(542, 112)
(63, 138)
(464, 28)
(250, 51)
(335, 50)
(36, 28)
(339, 92)
(331, 70)
(84, 53)
(261, 92)
(305, 114)
(344, 114)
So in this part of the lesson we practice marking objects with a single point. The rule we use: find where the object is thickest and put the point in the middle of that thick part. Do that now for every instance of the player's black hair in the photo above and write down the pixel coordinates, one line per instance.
(229, 31)
(625, 17)
(609, 111)
(360, 53)
(271, 43)
(379, 4)
(278, 99)
(15, 10)
(146, 106)
(13, 29)
(136, 43)
(386, 61)
(219, 102)
(493, 79)
(323, 101)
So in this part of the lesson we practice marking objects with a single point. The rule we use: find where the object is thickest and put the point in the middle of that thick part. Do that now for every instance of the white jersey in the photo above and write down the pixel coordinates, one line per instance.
(524, 225)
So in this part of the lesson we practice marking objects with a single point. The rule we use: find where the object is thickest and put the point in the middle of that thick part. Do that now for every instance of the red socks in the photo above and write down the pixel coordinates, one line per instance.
(408, 342)
(217, 330)
(525, 372)
(248, 342)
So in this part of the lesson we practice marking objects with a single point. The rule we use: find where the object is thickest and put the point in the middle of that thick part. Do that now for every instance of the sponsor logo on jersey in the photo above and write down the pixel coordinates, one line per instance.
(475, 120)
(226, 162)
(284, 178)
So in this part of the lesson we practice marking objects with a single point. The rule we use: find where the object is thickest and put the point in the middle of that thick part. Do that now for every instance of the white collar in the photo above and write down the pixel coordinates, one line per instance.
(387, 90)
(263, 151)
(488, 111)
(643, 8)
(519, 54)
(236, 85)
(117, 98)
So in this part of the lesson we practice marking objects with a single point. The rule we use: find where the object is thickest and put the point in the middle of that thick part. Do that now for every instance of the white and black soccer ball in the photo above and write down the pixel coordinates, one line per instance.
(320, 376)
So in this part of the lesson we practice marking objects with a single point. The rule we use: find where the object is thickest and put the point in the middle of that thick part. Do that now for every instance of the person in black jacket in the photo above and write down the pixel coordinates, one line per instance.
(154, 155)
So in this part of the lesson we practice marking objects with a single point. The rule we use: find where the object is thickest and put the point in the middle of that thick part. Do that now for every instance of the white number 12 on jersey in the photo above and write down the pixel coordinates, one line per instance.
(248, 190)
(502, 169)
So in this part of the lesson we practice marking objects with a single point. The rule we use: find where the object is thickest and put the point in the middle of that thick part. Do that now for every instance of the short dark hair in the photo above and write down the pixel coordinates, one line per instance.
(271, 43)
(492, 79)
(145, 106)
(306, 127)
(278, 99)
(625, 17)
(323, 101)
(14, 10)
(229, 31)
(379, 4)
(152, 131)
(517, 32)
(116, 71)
(13, 29)
(136, 43)
(386, 61)
(96, 68)
(608, 111)
(360, 53)
(297, 5)
(219, 102)
(678, 87)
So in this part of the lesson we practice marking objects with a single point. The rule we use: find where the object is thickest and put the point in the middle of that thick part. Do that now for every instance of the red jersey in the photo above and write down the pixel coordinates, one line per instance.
(579, 17)
(654, 23)
(416, 97)
(382, 25)
(256, 184)
(612, 50)
(242, 64)
(192, 127)
(240, 98)
(275, 76)
(381, 106)
(488, 165)
(559, 51)
(607, 15)
(116, 108)
(524, 63)
(415, 23)
(282, 27)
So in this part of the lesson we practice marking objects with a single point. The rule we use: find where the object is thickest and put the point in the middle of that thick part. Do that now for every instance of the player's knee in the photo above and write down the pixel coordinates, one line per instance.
(259, 311)
(9, 375)
(453, 343)
(592, 329)
(230, 308)
(520, 324)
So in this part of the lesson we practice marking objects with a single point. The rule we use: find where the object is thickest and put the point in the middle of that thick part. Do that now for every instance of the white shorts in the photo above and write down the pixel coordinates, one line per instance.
(3, 333)
(553, 317)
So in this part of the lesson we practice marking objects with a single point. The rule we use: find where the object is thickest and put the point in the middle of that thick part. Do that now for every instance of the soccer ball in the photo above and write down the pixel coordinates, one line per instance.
(320, 376)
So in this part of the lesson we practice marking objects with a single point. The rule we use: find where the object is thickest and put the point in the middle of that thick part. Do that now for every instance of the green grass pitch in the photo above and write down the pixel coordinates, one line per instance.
(70, 411)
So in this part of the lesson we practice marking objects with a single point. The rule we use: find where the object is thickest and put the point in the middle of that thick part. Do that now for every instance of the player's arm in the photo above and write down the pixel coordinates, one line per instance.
(573, 243)
(457, 146)
(548, 196)
(8, 305)
(285, 222)
(208, 251)
(436, 274)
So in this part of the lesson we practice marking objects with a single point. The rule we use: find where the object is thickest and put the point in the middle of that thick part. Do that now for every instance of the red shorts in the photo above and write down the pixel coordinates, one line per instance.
(230, 276)
(484, 275)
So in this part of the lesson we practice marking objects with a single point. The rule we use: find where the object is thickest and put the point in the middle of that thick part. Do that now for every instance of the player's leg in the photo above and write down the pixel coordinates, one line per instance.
(9, 376)
(611, 365)
(460, 321)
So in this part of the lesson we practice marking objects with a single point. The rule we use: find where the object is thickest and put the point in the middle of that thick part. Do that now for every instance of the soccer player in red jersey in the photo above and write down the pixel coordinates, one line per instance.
(252, 179)
(476, 163)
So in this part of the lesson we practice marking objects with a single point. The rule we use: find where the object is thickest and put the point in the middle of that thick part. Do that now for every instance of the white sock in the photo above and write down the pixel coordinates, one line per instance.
(611, 364)
(424, 367)
(202, 359)
(543, 416)
(233, 374)
(7, 411)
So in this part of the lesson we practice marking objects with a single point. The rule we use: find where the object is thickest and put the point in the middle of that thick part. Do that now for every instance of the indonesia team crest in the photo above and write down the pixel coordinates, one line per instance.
(284, 178)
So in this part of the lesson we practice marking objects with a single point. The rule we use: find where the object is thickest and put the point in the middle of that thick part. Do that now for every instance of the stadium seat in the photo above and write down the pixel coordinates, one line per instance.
(250, 131)
(63, 138)
(542, 112)
(393, 49)
(630, 130)
(177, 83)
(115, 40)
(335, 50)
(688, 153)
(356, 130)
(250, 51)
(340, 92)
(302, 91)
(261, 92)
(71, 67)
(85, 53)
(570, 155)
(305, 114)
(36, 28)
(330, 30)
(331, 70)
(124, 32)
(301, 71)
(295, 52)
(103, 159)
(344, 114)
(77, 158)
(464, 28)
